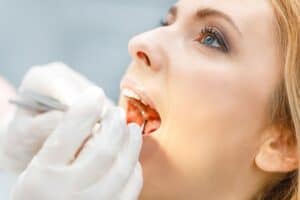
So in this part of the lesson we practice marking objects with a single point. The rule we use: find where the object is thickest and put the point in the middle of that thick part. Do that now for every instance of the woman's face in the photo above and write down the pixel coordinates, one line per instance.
(210, 73)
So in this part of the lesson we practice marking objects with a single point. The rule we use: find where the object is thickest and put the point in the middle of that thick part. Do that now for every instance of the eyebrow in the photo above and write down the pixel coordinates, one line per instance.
(208, 12)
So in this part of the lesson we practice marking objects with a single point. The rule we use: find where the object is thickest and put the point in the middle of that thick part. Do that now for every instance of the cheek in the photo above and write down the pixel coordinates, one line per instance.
(215, 112)
(215, 94)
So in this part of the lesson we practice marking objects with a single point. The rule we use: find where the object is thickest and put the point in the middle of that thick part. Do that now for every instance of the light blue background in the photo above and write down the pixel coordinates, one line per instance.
(89, 35)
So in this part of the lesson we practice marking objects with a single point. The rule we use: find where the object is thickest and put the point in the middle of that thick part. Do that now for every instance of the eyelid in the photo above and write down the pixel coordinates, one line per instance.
(168, 20)
(219, 36)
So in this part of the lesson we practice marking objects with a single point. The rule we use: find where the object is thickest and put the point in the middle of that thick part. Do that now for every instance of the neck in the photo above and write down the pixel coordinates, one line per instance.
(196, 195)
(235, 188)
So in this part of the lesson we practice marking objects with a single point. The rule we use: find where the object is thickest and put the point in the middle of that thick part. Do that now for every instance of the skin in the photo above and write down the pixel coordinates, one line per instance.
(215, 141)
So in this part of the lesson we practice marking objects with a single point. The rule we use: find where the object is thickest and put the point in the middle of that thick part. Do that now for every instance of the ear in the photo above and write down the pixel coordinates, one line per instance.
(278, 152)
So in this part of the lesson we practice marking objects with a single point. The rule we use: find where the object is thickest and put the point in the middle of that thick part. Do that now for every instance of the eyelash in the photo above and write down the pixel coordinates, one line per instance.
(216, 34)
(163, 22)
(207, 31)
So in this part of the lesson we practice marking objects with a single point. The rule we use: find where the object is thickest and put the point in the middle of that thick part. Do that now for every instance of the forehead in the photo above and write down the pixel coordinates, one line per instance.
(243, 12)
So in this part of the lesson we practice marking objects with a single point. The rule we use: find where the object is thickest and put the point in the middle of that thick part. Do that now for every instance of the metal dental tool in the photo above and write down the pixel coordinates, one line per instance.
(30, 100)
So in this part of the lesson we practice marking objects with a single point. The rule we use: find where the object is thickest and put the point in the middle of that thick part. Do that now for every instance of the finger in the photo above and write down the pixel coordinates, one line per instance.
(133, 188)
(101, 151)
(75, 127)
(33, 137)
(123, 168)
(28, 132)
(66, 88)
(43, 125)
(108, 104)
(26, 135)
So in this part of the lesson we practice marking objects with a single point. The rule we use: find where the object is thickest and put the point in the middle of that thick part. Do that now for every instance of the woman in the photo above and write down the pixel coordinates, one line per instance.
(224, 76)
(216, 90)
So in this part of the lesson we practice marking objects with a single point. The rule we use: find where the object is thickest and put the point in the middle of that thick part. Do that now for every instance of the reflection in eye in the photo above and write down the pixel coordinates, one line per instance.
(212, 38)
(211, 41)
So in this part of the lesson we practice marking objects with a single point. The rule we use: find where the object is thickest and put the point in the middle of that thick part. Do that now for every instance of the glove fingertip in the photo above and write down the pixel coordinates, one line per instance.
(134, 127)
(136, 131)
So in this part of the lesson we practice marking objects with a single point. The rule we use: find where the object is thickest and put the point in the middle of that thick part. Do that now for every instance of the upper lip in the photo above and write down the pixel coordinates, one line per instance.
(131, 84)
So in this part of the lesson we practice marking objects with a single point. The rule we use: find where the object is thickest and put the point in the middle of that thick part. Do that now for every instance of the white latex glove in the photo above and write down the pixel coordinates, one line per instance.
(6, 110)
(73, 165)
(28, 130)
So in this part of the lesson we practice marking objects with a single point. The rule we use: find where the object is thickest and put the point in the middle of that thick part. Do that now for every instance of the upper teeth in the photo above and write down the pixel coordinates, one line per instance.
(131, 94)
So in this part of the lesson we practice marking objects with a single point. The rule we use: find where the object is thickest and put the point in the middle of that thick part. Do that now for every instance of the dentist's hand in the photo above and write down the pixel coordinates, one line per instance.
(28, 130)
(6, 110)
(81, 161)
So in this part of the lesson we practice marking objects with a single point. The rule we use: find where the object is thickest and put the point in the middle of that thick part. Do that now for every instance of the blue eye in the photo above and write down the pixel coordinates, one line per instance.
(213, 38)
(211, 41)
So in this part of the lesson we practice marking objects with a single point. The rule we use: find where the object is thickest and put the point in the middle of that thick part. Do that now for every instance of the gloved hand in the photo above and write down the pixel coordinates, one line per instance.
(28, 130)
(6, 110)
(7, 91)
(74, 164)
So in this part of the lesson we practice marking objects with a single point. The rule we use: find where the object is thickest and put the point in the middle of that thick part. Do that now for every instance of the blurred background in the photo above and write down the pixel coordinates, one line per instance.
(90, 35)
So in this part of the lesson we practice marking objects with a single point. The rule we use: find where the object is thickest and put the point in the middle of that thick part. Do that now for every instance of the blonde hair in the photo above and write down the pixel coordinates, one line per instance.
(286, 109)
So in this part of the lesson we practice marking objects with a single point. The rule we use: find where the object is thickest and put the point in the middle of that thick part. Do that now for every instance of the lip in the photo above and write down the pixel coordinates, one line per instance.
(131, 84)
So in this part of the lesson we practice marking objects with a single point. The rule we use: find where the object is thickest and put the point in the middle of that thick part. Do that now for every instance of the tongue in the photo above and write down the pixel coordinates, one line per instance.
(143, 115)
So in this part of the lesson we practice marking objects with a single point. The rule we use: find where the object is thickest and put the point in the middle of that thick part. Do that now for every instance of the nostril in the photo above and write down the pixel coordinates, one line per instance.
(143, 56)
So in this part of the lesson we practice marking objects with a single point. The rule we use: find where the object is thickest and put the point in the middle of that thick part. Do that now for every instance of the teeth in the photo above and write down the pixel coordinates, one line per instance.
(131, 94)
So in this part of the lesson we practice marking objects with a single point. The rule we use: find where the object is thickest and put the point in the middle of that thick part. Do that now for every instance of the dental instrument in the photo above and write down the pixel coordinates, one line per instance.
(37, 102)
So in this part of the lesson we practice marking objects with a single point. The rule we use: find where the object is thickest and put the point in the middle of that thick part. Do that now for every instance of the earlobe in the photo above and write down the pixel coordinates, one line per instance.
(277, 154)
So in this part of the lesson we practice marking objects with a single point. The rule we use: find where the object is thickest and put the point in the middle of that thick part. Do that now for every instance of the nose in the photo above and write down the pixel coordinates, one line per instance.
(147, 50)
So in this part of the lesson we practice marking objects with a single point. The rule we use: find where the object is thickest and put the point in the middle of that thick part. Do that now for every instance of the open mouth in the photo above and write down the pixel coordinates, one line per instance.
(140, 112)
